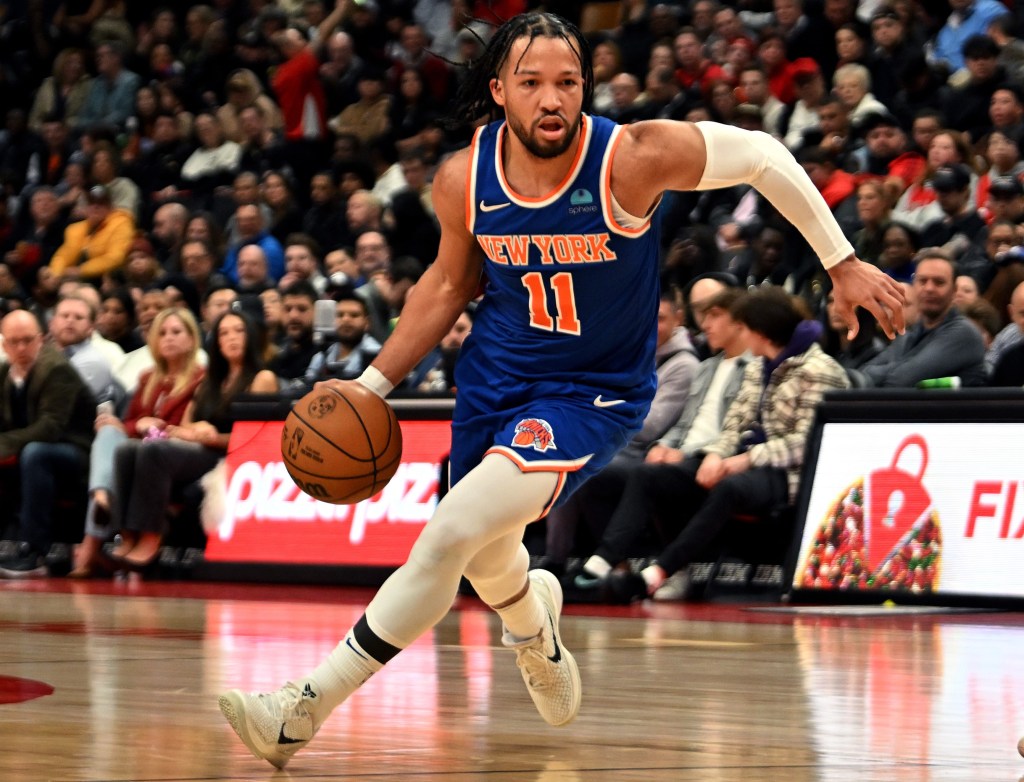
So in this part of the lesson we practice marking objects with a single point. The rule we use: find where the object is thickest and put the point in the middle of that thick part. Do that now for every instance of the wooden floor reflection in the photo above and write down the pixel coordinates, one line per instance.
(708, 693)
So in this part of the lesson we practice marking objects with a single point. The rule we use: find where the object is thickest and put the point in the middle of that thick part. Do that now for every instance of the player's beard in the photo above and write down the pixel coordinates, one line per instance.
(540, 149)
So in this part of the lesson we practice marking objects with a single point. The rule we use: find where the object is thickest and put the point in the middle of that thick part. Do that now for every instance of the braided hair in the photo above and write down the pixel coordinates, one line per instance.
(474, 98)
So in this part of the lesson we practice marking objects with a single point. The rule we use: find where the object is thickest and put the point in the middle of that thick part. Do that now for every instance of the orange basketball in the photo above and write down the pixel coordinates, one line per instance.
(341, 446)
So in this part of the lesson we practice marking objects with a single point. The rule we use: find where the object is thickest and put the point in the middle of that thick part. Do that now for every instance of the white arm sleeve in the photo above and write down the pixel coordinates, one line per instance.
(736, 156)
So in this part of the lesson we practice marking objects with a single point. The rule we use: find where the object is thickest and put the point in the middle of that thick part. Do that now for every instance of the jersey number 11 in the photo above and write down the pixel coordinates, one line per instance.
(565, 321)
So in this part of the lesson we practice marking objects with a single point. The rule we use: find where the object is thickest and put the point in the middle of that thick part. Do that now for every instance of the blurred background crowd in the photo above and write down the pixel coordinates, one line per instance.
(184, 170)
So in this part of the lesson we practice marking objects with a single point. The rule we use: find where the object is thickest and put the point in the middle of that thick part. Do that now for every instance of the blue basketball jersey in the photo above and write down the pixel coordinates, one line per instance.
(570, 304)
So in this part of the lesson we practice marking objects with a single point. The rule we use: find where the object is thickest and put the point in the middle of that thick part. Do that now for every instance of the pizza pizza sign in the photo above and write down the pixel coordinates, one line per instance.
(881, 533)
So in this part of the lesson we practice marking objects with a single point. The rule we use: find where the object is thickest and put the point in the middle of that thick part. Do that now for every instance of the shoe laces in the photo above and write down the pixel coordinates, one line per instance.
(288, 706)
(531, 659)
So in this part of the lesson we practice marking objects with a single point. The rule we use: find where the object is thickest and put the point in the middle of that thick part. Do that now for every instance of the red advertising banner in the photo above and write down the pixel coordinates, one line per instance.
(268, 519)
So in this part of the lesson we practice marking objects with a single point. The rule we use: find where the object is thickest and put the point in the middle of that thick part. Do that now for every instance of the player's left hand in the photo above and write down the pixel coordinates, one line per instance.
(857, 283)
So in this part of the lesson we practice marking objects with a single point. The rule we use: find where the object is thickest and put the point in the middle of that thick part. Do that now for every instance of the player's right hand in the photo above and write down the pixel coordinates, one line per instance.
(859, 284)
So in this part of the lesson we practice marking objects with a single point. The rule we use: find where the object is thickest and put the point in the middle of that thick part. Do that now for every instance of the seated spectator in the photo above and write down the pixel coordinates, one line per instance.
(959, 224)
(116, 320)
(628, 103)
(146, 471)
(325, 218)
(203, 227)
(811, 93)
(676, 362)
(243, 90)
(1011, 334)
(1006, 111)
(105, 169)
(1005, 198)
(411, 110)
(251, 230)
(854, 353)
(998, 267)
(751, 467)
(1009, 370)
(96, 245)
(140, 271)
(46, 164)
(170, 222)
(73, 288)
(440, 378)
(852, 85)
(34, 243)
(984, 318)
(367, 118)
(216, 302)
(111, 97)
(966, 101)
(299, 346)
(941, 344)
(302, 263)
(965, 291)
(46, 418)
(918, 205)
(71, 328)
(695, 72)
(273, 320)
(63, 94)
(899, 250)
(1011, 48)
(341, 262)
(252, 270)
(263, 148)
(133, 364)
(157, 167)
(886, 155)
(354, 347)
(213, 164)
(969, 18)
(164, 393)
(198, 264)
(279, 196)
(873, 211)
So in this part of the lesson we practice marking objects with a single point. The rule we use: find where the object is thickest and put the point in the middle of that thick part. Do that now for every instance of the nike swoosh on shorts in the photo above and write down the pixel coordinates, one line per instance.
(599, 402)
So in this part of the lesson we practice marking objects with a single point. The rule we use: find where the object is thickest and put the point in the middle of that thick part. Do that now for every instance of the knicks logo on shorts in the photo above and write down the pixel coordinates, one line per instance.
(534, 433)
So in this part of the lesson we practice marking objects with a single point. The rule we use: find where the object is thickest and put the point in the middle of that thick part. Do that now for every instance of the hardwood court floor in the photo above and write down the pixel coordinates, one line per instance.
(703, 692)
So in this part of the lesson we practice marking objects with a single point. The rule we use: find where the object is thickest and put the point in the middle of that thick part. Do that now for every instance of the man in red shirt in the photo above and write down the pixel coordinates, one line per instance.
(300, 95)
(695, 73)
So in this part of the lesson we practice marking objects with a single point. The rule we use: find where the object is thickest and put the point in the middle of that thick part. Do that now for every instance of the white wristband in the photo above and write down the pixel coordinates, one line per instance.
(736, 156)
(375, 381)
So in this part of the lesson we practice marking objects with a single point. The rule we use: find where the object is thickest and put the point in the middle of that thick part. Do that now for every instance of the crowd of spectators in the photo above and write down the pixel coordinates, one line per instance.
(273, 159)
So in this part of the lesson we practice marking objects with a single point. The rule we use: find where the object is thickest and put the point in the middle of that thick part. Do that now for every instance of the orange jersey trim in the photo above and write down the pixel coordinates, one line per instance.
(606, 192)
(574, 168)
(474, 154)
(545, 465)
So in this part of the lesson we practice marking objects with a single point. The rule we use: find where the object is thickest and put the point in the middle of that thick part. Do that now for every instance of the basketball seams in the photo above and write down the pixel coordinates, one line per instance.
(331, 443)
(362, 424)
(382, 437)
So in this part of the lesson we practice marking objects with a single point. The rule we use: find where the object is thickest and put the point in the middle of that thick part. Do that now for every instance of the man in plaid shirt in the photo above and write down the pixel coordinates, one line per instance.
(753, 465)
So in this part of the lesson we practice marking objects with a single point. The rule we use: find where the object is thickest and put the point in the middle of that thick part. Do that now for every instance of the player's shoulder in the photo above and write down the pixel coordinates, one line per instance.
(657, 155)
(658, 137)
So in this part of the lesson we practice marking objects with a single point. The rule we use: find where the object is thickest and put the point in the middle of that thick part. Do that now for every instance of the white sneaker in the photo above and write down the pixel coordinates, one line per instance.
(675, 587)
(549, 670)
(275, 725)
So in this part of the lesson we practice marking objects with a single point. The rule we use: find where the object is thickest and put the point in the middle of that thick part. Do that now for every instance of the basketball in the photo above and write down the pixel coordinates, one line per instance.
(341, 446)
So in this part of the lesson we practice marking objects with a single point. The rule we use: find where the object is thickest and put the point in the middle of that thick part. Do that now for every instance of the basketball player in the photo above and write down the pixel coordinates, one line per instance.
(551, 208)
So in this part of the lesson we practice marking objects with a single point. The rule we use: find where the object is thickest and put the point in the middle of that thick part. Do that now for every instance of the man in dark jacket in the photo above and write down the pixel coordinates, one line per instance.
(46, 427)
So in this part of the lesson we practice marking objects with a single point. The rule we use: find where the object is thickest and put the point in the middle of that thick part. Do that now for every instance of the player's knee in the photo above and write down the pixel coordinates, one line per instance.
(447, 540)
